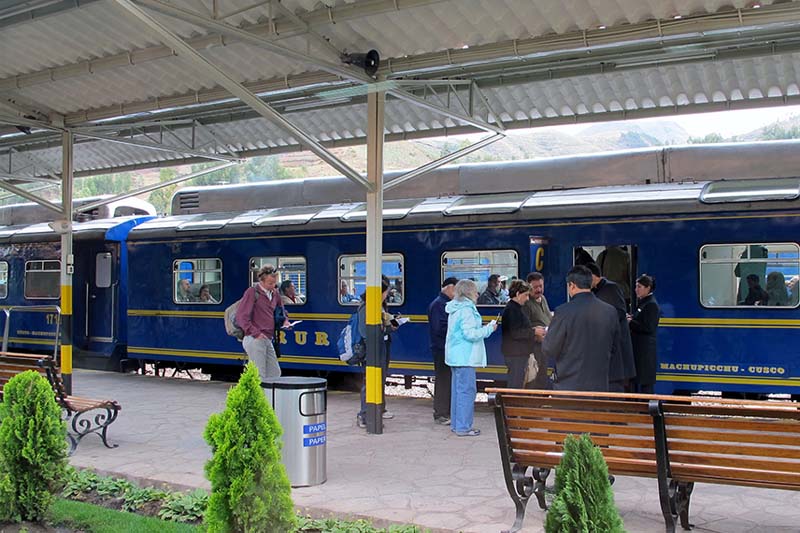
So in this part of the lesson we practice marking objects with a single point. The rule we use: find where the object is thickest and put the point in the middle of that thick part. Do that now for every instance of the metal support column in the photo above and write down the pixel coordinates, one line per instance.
(375, 352)
(67, 261)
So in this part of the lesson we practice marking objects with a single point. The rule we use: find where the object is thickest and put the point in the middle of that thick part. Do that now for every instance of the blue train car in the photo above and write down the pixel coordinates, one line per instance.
(30, 287)
(671, 217)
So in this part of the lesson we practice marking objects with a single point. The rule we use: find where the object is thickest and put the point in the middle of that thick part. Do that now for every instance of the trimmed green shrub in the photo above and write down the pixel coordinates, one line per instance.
(33, 448)
(250, 491)
(584, 500)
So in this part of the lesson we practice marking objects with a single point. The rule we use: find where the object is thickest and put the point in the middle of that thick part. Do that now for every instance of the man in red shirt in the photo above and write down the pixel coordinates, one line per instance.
(256, 316)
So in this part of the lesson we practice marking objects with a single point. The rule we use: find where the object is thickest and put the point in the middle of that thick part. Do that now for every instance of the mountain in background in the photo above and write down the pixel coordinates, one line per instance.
(402, 155)
(534, 144)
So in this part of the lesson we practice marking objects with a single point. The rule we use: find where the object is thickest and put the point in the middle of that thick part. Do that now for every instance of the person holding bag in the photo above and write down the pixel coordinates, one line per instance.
(518, 335)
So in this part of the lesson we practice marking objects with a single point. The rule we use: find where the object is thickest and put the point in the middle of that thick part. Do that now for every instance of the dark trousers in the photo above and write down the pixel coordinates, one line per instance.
(441, 393)
(616, 385)
(517, 364)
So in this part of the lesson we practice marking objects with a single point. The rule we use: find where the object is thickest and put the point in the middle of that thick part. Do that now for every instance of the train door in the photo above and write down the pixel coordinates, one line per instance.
(617, 262)
(101, 287)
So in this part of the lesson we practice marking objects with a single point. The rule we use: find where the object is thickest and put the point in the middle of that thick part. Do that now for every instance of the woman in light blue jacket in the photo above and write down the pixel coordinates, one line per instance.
(463, 351)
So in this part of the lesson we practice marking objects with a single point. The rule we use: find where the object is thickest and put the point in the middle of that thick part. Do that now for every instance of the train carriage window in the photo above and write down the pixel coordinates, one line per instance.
(290, 268)
(3, 279)
(501, 266)
(197, 281)
(352, 280)
(750, 274)
(42, 280)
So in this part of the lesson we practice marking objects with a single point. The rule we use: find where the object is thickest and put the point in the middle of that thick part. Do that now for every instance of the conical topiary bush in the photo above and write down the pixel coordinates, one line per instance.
(250, 491)
(584, 500)
(33, 448)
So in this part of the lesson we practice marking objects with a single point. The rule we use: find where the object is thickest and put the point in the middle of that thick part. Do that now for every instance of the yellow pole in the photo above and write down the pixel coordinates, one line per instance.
(375, 355)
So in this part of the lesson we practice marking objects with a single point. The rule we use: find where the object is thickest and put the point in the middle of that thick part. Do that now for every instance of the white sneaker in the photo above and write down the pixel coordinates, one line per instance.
(387, 415)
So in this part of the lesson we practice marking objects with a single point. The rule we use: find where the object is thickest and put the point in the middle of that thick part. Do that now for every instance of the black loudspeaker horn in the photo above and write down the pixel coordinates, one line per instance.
(369, 61)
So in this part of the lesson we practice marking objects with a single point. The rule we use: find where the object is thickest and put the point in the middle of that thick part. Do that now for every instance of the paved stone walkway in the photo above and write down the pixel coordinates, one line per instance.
(416, 472)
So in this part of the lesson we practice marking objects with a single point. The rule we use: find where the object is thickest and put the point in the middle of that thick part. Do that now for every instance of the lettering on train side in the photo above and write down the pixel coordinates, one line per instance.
(28, 333)
(321, 338)
(724, 369)
(300, 337)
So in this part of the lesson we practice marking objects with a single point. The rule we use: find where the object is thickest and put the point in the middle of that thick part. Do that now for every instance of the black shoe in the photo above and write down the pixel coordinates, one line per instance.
(443, 420)
(611, 479)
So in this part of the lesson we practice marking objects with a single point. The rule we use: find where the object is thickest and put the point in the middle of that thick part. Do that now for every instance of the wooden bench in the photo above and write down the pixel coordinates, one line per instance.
(83, 415)
(677, 440)
(12, 364)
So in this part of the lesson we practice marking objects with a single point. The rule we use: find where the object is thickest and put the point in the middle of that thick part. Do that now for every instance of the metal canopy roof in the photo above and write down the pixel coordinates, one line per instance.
(93, 67)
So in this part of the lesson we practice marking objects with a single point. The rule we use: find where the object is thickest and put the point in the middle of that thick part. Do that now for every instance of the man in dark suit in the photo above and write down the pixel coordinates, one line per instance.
(623, 364)
(437, 320)
(581, 337)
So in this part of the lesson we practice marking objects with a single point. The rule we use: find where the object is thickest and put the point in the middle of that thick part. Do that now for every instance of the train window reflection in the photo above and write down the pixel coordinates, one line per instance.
(42, 280)
(3, 279)
(197, 281)
(352, 280)
(492, 270)
(290, 269)
(750, 274)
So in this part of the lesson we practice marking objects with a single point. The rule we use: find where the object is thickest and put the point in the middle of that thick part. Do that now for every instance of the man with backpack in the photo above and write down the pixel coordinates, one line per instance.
(386, 329)
(256, 316)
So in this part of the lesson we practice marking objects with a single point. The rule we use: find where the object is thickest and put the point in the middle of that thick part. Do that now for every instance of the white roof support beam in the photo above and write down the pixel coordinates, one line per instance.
(32, 197)
(433, 165)
(241, 92)
(332, 68)
(35, 161)
(29, 179)
(217, 138)
(156, 146)
(310, 33)
(35, 189)
(155, 186)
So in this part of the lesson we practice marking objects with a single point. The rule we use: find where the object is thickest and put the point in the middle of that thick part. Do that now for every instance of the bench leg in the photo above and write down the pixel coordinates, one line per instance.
(540, 475)
(83, 423)
(683, 496)
(666, 496)
(520, 491)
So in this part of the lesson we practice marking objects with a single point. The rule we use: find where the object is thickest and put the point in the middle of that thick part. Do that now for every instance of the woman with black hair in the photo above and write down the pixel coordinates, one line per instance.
(644, 325)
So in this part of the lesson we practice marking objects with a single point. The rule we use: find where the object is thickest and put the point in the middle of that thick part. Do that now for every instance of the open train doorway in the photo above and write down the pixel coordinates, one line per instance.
(617, 262)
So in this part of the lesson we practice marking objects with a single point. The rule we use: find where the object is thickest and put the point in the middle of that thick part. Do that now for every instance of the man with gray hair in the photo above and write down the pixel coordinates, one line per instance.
(256, 316)
(582, 336)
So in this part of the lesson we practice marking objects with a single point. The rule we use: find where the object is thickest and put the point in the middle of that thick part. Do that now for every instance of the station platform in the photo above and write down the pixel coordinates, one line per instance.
(417, 472)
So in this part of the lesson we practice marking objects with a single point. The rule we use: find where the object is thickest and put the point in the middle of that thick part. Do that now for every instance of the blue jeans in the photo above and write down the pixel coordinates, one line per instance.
(462, 399)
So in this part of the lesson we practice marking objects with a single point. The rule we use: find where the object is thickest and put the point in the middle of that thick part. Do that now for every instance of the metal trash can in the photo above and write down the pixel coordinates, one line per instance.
(301, 405)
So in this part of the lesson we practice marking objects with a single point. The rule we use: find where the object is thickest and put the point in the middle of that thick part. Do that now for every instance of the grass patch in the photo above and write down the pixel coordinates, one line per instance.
(96, 519)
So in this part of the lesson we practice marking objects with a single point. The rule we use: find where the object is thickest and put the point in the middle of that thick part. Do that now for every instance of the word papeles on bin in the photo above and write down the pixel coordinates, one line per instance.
(310, 429)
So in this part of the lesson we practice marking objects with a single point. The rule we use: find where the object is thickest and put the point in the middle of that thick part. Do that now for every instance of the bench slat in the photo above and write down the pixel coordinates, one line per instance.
(755, 424)
(705, 459)
(600, 440)
(567, 414)
(766, 478)
(779, 411)
(585, 427)
(581, 404)
(614, 451)
(734, 449)
(717, 436)
(616, 465)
